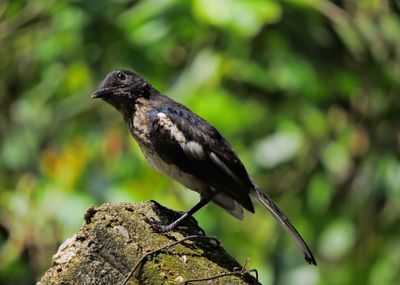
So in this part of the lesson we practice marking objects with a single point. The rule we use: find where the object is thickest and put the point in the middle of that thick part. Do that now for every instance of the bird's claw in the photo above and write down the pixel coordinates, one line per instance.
(155, 225)
(158, 227)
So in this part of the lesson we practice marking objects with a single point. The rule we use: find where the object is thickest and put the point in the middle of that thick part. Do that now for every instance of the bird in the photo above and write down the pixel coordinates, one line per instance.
(185, 147)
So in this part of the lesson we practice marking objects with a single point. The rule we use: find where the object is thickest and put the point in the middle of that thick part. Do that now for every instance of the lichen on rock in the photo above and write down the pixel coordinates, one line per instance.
(115, 236)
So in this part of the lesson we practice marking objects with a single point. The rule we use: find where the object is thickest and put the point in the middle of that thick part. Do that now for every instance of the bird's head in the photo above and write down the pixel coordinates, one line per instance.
(121, 88)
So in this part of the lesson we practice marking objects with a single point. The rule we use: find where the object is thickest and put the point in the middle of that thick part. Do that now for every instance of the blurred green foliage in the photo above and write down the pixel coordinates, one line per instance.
(307, 91)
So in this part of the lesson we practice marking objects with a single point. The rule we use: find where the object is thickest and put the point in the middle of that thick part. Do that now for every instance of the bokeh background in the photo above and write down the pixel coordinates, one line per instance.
(307, 92)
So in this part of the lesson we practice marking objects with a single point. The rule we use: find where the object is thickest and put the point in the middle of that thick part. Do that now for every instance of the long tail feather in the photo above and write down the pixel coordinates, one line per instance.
(266, 201)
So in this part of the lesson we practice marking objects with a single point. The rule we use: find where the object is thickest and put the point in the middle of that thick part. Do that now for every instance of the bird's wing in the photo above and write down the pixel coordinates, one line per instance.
(182, 138)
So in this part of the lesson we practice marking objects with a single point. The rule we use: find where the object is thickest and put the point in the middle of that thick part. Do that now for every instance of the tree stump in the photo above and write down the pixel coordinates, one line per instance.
(114, 237)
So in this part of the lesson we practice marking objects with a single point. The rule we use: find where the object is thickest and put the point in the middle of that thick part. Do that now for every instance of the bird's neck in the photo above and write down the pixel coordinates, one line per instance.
(137, 120)
(127, 110)
(131, 106)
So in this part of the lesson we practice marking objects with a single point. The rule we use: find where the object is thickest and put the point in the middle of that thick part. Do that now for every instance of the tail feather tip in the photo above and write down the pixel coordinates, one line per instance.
(310, 260)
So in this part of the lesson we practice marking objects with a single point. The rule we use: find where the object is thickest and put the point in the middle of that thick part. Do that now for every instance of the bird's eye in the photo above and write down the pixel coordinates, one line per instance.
(121, 76)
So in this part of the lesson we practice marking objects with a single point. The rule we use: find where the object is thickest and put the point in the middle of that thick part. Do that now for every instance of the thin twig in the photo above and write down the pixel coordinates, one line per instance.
(239, 273)
(145, 256)
(242, 272)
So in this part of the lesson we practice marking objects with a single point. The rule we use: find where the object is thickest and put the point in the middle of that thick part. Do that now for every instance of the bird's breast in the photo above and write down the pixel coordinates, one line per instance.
(141, 125)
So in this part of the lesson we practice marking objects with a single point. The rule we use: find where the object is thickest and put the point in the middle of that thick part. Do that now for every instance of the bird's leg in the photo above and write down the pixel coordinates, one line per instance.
(204, 200)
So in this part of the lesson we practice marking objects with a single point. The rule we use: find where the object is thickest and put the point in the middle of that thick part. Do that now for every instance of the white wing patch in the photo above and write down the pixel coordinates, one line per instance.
(191, 148)
(161, 115)
(194, 150)
(168, 125)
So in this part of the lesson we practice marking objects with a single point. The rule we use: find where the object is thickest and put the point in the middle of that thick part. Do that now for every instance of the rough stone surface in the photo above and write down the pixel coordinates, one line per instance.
(115, 236)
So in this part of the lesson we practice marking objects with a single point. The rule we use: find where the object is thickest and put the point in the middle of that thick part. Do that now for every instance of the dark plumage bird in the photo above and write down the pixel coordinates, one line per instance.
(185, 147)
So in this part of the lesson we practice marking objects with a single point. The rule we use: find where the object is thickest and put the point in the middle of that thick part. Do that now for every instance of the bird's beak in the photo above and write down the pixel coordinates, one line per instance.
(102, 93)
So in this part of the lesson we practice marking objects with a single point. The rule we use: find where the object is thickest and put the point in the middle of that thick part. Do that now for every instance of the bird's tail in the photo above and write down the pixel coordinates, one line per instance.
(266, 201)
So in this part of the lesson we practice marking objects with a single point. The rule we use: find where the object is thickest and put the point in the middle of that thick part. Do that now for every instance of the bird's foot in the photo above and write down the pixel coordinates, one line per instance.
(156, 225)
(160, 228)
